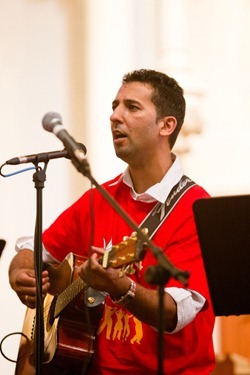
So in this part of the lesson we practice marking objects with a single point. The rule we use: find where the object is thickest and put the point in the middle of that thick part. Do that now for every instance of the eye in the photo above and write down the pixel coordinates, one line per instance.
(114, 105)
(133, 107)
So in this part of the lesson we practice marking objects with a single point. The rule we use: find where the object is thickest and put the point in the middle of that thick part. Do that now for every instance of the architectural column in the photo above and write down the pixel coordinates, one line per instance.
(173, 58)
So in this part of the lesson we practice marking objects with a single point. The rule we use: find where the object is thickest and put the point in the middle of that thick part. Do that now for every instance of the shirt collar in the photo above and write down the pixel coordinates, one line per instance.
(160, 191)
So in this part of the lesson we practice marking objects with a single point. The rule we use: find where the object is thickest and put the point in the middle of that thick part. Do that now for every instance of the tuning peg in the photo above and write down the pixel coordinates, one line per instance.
(130, 269)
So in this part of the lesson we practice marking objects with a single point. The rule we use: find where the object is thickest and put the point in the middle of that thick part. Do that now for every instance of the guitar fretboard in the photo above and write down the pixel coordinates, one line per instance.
(68, 295)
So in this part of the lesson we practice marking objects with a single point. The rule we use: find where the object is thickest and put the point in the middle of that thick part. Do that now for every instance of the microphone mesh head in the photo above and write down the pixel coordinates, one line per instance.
(50, 120)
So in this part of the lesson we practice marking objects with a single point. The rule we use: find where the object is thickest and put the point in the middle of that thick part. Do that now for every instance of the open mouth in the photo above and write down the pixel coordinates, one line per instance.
(118, 135)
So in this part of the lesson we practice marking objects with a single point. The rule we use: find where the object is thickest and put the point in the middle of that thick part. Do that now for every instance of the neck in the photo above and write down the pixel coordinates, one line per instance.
(146, 176)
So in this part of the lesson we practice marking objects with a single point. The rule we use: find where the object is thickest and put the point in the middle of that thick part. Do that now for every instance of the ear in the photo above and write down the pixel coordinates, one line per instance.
(167, 125)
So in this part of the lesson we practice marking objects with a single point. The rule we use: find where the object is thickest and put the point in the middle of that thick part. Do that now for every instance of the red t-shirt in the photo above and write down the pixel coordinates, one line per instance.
(123, 344)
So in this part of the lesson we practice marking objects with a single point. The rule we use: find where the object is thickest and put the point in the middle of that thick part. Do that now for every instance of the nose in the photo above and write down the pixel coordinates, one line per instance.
(116, 116)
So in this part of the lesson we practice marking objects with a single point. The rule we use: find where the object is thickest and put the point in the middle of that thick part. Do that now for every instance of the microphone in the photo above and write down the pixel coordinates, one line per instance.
(36, 158)
(52, 122)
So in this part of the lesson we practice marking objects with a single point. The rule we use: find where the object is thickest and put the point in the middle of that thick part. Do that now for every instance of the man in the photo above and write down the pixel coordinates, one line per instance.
(148, 113)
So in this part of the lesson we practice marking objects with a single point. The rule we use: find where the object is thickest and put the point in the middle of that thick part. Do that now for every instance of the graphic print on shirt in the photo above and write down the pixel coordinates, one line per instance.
(116, 323)
(120, 325)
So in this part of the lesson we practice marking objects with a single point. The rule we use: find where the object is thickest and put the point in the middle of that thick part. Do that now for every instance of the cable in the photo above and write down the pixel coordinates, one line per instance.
(14, 173)
(2, 341)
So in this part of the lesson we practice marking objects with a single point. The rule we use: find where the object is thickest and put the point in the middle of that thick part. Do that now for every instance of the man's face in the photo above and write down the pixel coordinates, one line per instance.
(134, 124)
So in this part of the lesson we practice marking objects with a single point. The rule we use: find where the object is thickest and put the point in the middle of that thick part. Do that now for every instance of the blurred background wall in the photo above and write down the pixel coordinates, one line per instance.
(69, 56)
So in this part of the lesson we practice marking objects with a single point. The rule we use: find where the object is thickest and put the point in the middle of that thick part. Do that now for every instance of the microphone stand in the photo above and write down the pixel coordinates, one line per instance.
(159, 274)
(39, 177)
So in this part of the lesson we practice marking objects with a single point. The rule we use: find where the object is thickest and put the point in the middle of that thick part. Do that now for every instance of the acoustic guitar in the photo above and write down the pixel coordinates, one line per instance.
(69, 325)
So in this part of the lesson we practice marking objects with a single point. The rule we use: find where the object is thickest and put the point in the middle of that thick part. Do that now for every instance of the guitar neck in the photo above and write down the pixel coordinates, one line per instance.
(67, 296)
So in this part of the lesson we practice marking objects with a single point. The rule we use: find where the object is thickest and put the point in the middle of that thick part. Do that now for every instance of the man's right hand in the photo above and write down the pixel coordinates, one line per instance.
(23, 280)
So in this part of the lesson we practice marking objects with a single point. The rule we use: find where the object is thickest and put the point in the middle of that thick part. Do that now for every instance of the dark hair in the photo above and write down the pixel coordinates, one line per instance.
(167, 96)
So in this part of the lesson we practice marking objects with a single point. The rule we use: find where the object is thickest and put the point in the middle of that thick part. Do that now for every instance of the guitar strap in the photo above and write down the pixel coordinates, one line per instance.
(161, 211)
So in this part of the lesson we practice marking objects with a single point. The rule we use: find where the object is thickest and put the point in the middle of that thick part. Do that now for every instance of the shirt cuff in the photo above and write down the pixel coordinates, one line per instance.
(189, 303)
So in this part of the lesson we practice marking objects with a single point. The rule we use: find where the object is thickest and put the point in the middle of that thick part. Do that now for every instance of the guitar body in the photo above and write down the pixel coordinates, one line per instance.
(68, 337)
(69, 325)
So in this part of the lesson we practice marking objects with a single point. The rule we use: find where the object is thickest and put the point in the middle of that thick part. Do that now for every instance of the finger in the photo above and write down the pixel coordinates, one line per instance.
(98, 250)
(32, 291)
(31, 273)
(80, 269)
(93, 257)
(45, 280)
(29, 301)
(45, 287)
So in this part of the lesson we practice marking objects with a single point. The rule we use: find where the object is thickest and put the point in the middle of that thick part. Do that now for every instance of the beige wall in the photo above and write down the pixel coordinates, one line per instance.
(69, 55)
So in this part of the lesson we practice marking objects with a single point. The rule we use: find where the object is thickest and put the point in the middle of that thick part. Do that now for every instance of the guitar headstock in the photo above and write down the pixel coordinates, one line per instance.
(130, 250)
